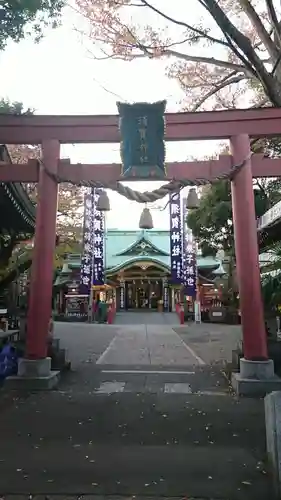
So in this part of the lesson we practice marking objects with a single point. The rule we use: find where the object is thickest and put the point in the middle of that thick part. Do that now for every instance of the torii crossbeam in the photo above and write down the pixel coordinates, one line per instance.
(33, 129)
(107, 173)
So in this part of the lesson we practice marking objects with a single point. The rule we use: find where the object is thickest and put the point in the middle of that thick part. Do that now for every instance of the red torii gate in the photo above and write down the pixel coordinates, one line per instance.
(50, 131)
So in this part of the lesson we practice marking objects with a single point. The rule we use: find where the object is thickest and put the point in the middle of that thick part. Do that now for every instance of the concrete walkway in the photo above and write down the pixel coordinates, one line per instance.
(149, 425)
(147, 344)
(146, 318)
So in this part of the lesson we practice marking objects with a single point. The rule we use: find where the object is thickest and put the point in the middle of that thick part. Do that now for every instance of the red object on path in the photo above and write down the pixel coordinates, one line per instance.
(110, 315)
(181, 314)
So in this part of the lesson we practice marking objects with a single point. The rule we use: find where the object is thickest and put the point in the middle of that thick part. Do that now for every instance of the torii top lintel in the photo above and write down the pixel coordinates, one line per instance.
(33, 129)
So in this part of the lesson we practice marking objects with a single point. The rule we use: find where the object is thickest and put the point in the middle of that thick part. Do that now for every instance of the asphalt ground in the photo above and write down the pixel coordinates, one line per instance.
(127, 429)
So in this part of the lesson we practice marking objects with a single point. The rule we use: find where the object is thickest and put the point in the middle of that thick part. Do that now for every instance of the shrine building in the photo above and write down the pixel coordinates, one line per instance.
(137, 265)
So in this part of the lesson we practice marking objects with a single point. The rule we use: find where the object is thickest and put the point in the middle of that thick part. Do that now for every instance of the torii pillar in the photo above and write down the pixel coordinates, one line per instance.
(34, 370)
(256, 370)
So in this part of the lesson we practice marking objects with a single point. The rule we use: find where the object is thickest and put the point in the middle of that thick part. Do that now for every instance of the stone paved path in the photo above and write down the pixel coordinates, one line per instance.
(142, 427)
(214, 343)
(145, 344)
(146, 318)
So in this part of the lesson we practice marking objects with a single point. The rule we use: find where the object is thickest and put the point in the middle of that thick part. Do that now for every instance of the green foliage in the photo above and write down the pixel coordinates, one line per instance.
(212, 222)
(21, 18)
(64, 248)
(271, 291)
(14, 108)
(271, 278)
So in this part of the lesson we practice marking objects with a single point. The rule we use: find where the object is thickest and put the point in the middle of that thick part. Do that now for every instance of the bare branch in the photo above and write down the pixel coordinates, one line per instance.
(208, 60)
(244, 44)
(247, 45)
(156, 52)
(185, 25)
(274, 21)
(224, 83)
(259, 27)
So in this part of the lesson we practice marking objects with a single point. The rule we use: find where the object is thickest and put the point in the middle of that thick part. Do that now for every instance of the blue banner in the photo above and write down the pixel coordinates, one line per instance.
(98, 238)
(175, 239)
(189, 259)
(88, 247)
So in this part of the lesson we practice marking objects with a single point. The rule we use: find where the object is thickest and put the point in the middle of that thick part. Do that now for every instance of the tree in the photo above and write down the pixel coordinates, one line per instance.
(69, 221)
(271, 291)
(233, 44)
(212, 223)
(70, 205)
(27, 17)
(20, 153)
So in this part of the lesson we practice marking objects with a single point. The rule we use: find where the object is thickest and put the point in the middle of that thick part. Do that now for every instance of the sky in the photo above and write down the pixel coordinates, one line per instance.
(60, 76)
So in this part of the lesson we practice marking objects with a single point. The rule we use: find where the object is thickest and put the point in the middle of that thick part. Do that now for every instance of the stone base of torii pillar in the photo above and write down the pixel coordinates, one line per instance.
(34, 375)
(256, 378)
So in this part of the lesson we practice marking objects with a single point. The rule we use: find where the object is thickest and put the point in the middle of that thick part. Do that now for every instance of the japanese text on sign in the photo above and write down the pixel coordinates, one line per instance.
(175, 239)
(98, 238)
(189, 261)
(165, 295)
(87, 257)
(142, 124)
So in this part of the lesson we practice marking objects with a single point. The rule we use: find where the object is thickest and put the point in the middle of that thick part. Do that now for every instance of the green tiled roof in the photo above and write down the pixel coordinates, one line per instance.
(145, 237)
(120, 250)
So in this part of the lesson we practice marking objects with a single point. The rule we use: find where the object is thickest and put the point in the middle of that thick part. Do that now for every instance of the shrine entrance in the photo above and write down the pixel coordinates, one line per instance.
(143, 285)
(239, 126)
(144, 294)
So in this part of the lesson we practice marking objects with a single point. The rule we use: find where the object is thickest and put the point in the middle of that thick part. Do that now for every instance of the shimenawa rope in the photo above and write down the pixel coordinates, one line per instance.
(150, 196)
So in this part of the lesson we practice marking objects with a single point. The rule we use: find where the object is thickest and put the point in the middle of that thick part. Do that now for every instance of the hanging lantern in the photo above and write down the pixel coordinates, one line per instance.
(220, 271)
(192, 200)
(146, 221)
(103, 203)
